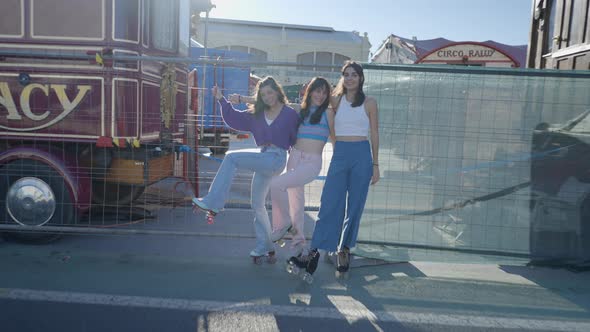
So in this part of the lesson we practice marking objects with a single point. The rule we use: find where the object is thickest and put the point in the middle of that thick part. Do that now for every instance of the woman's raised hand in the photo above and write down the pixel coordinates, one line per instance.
(234, 98)
(216, 92)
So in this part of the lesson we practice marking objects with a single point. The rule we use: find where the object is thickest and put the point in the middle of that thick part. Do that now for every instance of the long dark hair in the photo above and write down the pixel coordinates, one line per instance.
(340, 90)
(315, 84)
(259, 105)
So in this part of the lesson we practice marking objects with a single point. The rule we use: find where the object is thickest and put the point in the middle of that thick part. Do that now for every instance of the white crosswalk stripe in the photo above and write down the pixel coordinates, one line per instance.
(345, 308)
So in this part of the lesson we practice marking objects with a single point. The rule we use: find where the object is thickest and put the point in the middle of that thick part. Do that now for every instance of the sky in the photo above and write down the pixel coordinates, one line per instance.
(504, 21)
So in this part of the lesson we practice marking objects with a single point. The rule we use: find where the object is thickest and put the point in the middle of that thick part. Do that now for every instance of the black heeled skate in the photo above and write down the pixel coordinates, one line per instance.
(343, 262)
(308, 262)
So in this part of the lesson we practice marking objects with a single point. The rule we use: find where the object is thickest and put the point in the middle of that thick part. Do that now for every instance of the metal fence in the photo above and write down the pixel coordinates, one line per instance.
(457, 145)
(461, 165)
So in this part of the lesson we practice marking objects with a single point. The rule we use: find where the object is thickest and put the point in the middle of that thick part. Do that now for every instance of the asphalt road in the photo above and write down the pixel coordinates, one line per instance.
(203, 280)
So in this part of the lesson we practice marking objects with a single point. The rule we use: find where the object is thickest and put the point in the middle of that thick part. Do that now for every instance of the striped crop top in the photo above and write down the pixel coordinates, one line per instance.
(319, 131)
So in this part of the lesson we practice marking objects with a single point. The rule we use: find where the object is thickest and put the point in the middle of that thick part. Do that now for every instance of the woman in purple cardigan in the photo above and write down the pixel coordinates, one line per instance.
(274, 127)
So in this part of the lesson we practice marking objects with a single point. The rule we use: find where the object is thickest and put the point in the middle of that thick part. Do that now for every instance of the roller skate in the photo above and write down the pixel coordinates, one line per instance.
(258, 258)
(309, 263)
(278, 235)
(200, 205)
(343, 263)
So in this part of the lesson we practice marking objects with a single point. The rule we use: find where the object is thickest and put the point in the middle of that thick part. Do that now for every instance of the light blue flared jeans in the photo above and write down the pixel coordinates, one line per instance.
(265, 164)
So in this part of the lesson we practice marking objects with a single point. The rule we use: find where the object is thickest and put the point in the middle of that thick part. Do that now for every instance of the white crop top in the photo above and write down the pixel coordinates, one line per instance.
(351, 121)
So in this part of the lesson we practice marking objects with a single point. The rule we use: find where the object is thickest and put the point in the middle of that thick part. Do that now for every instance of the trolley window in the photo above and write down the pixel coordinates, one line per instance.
(184, 27)
(126, 20)
(145, 24)
(11, 24)
(164, 25)
(68, 19)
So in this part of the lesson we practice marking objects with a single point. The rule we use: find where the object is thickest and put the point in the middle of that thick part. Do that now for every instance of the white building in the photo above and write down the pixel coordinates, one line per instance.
(395, 50)
(304, 45)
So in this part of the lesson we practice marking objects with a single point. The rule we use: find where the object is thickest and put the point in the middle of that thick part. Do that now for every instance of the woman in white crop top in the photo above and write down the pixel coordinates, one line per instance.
(353, 120)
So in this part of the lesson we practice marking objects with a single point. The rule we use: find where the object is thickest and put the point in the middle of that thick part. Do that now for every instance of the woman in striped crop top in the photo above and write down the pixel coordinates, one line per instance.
(304, 163)
(353, 167)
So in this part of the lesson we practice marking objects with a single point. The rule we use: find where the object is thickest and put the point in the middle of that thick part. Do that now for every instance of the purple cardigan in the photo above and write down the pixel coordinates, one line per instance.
(282, 132)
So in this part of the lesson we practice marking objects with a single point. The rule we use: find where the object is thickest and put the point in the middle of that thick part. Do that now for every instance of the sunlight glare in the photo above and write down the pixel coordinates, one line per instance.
(237, 10)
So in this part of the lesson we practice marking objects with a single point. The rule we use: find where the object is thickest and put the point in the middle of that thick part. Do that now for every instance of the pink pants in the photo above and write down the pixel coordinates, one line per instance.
(287, 193)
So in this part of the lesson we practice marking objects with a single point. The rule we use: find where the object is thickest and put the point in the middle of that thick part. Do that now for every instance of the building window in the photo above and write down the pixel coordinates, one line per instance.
(306, 60)
(339, 60)
(576, 28)
(323, 59)
(258, 55)
(550, 11)
(238, 48)
(255, 54)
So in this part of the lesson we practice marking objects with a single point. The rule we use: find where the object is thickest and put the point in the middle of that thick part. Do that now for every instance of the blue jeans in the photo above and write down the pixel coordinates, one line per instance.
(270, 161)
(344, 196)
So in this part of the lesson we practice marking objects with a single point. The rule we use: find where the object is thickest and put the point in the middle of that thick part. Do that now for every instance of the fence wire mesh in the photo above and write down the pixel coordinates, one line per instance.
(471, 159)
(458, 153)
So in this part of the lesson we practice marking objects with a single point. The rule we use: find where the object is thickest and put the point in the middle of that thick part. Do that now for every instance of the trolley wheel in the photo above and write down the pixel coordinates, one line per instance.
(34, 194)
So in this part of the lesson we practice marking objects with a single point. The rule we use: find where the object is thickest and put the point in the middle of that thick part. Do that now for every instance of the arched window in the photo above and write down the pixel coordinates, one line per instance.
(323, 59)
(306, 60)
(255, 54)
(239, 48)
(339, 60)
(258, 55)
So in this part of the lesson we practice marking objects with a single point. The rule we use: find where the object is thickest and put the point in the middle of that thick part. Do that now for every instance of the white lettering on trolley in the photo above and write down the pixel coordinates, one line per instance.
(7, 101)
